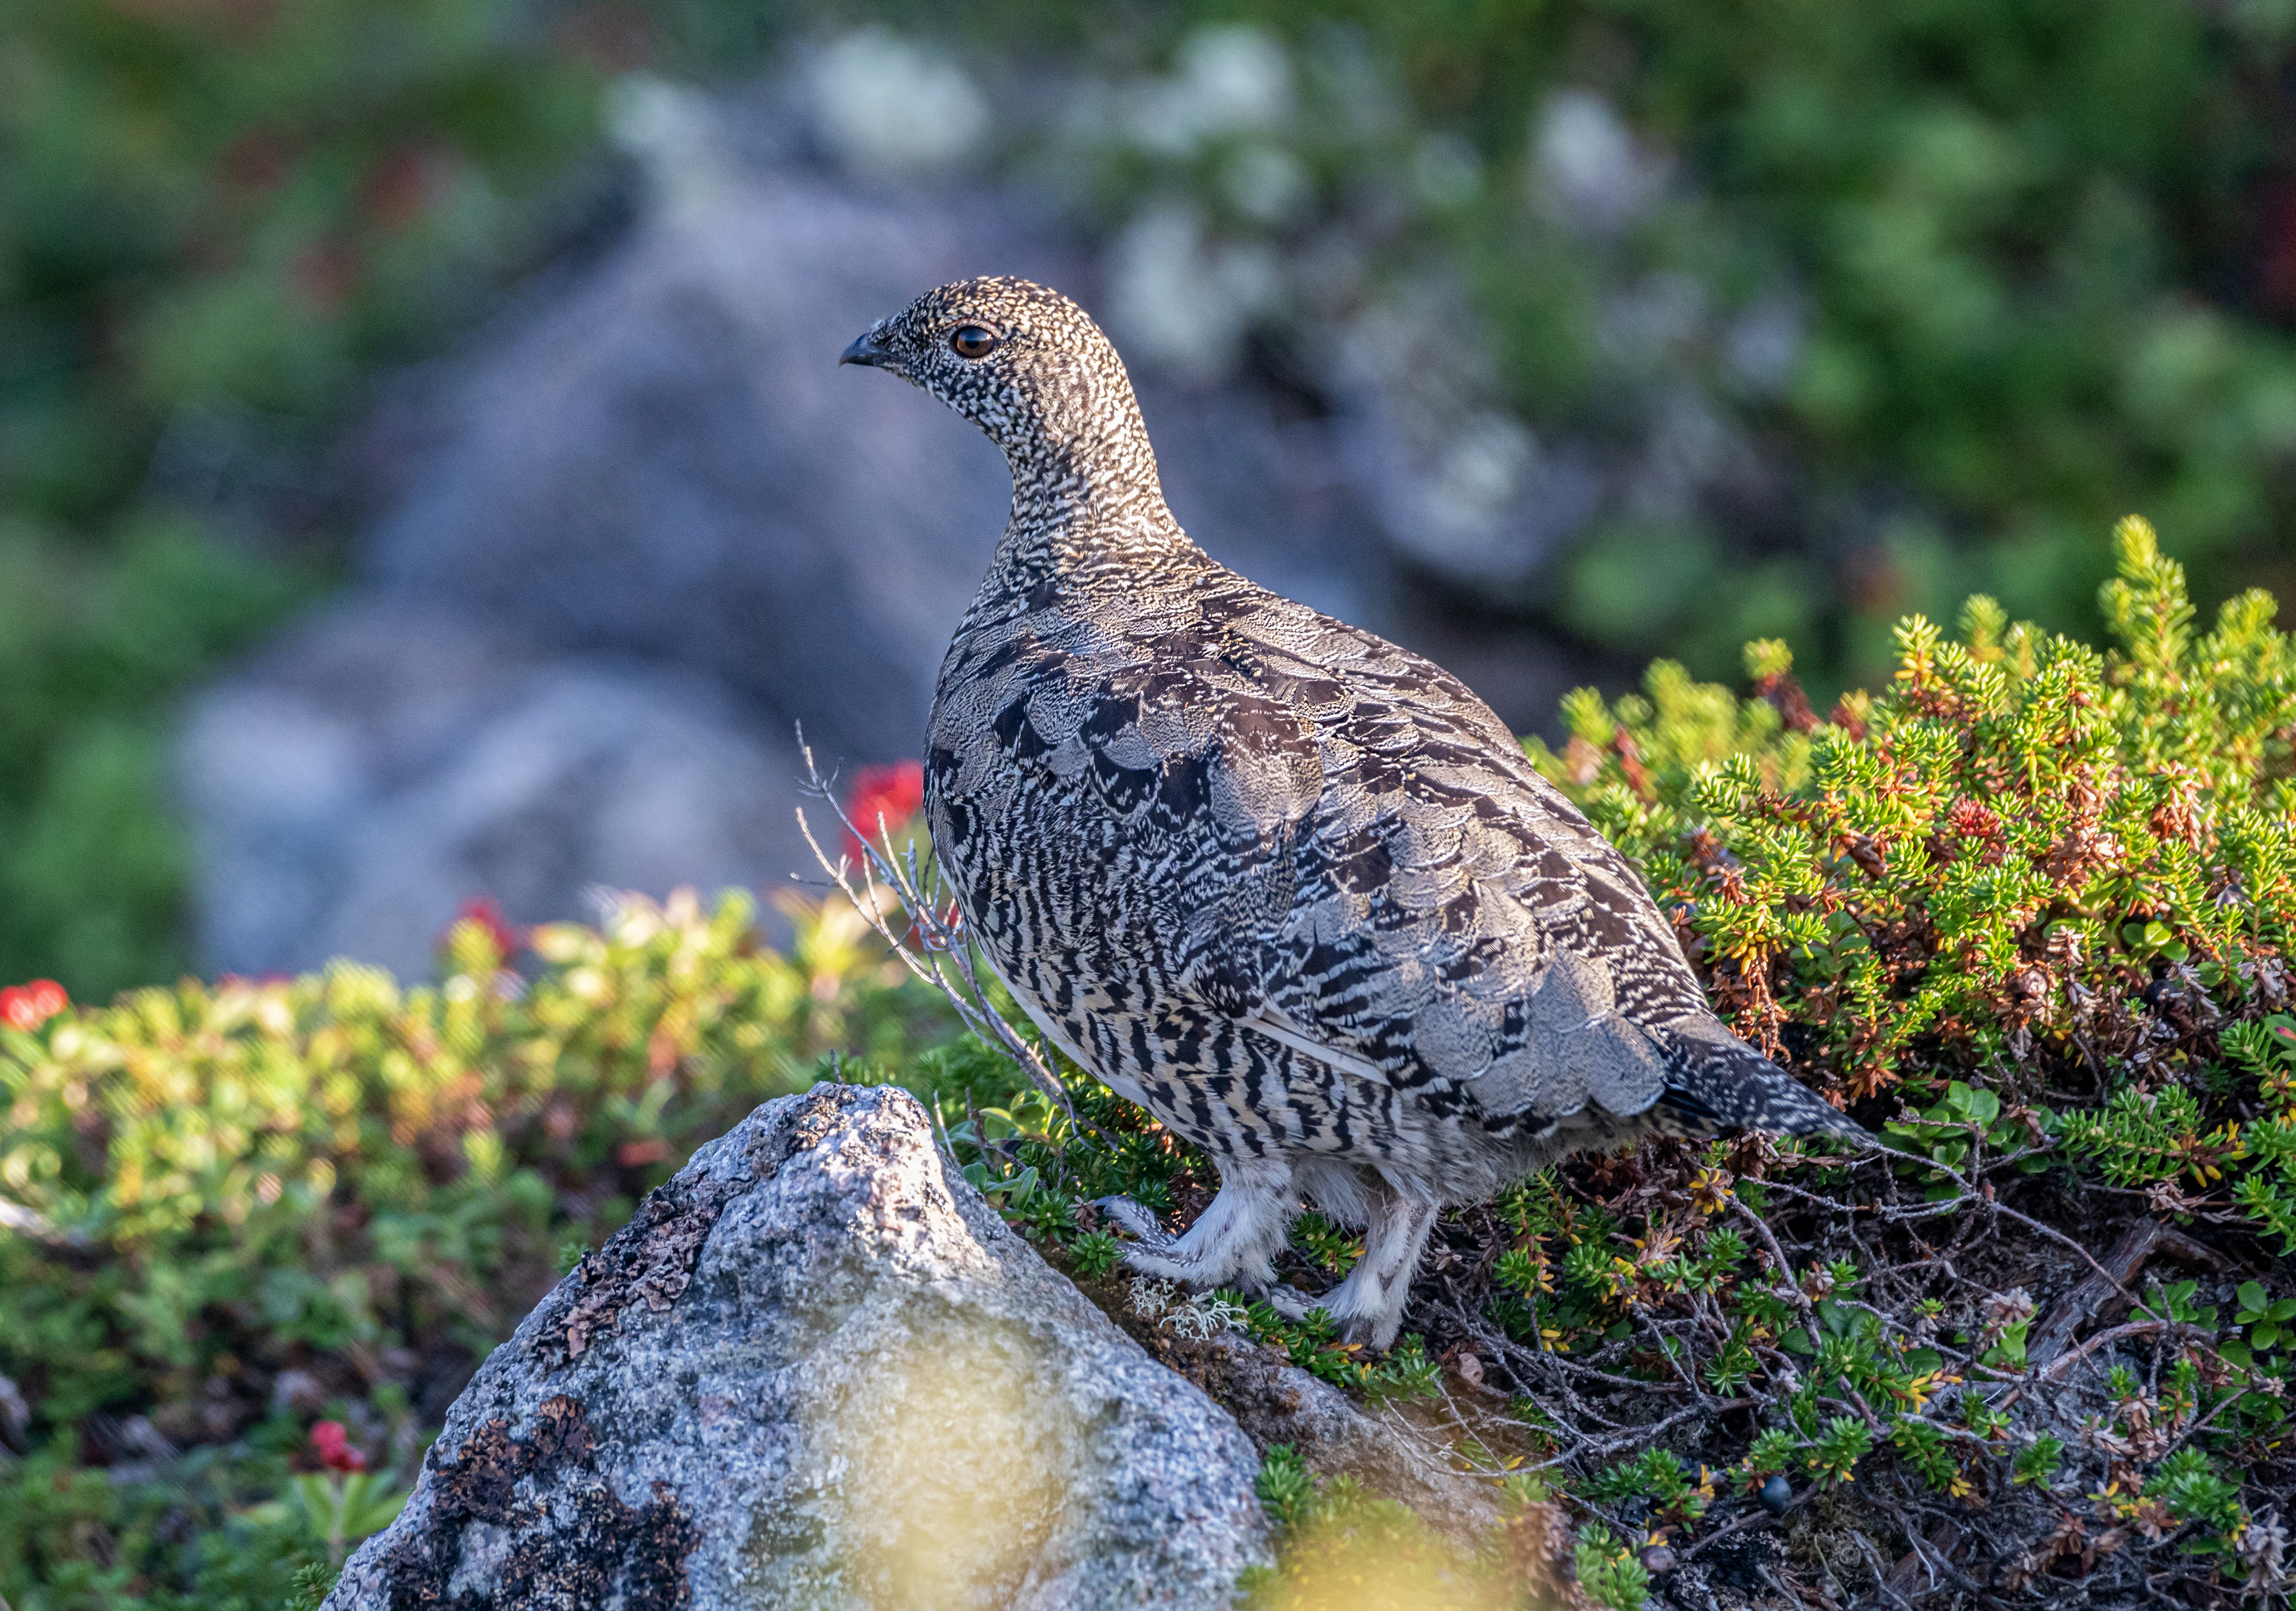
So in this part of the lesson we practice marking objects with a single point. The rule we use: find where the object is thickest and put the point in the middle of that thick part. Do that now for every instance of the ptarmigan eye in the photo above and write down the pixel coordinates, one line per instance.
(973, 341)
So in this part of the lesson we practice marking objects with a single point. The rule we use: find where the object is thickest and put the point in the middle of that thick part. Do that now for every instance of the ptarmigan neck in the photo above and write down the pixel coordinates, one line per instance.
(1087, 511)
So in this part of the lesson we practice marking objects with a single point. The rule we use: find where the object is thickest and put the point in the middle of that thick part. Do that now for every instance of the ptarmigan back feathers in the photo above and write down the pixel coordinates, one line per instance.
(1292, 887)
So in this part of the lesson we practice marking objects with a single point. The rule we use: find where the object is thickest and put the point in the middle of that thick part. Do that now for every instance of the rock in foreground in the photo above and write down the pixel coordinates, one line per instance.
(817, 1371)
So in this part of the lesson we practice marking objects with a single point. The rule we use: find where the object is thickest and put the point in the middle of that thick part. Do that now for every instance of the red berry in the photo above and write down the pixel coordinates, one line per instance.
(890, 794)
(332, 1445)
(27, 1007)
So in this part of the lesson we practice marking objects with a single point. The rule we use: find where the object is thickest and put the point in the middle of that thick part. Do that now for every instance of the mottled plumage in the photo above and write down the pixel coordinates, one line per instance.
(1295, 890)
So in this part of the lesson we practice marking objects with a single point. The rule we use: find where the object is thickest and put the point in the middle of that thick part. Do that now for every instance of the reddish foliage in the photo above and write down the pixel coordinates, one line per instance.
(323, 275)
(1980, 823)
(1630, 764)
(1785, 696)
(487, 913)
(332, 1445)
(614, 38)
(27, 1007)
(255, 164)
(2275, 256)
(395, 191)
(894, 794)
(637, 1155)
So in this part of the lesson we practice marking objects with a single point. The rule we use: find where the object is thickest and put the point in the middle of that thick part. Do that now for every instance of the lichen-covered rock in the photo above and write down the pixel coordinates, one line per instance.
(817, 1371)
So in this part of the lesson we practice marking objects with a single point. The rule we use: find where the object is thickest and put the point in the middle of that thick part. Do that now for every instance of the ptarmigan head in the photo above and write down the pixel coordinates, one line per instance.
(1023, 363)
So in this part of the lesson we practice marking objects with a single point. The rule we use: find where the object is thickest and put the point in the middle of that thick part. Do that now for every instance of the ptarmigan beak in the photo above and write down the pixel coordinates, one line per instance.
(866, 350)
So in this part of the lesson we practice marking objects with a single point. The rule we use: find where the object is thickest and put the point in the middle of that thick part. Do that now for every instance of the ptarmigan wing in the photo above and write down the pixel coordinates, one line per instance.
(1347, 851)
(1457, 925)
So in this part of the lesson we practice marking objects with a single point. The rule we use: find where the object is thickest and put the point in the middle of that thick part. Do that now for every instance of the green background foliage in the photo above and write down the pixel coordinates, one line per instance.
(216, 222)
(2044, 256)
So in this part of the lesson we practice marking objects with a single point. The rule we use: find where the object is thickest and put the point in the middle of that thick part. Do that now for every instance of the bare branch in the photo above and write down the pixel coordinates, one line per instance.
(889, 881)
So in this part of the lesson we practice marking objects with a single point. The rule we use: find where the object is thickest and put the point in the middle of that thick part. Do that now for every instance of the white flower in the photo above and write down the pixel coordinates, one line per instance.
(671, 131)
(1482, 471)
(1762, 347)
(1587, 164)
(1266, 183)
(886, 106)
(1446, 170)
(1232, 80)
(1182, 300)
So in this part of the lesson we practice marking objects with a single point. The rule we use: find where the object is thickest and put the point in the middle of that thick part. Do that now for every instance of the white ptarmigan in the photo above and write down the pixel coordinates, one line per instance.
(1293, 889)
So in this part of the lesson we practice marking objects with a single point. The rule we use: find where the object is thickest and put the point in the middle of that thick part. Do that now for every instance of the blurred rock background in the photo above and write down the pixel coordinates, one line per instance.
(423, 473)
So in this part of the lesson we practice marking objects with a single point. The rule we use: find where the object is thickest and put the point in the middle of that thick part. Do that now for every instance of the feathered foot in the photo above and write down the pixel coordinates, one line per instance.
(1233, 1243)
(1368, 1305)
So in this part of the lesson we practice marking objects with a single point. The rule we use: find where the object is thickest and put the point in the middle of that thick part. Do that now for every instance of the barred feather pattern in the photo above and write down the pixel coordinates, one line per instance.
(1294, 890)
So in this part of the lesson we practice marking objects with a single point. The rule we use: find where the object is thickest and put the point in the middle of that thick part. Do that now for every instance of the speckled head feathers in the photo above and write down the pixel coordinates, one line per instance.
(1030, 368)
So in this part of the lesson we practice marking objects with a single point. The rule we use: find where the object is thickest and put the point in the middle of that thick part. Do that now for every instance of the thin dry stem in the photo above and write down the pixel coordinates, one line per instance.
(889, 879)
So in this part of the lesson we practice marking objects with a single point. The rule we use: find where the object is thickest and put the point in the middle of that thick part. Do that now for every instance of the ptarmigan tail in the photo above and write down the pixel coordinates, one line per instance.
(1715, 1081)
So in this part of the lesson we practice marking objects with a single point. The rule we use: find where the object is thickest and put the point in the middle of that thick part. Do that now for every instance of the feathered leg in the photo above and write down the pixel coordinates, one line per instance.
(1233, 1243)
(1368, 1305)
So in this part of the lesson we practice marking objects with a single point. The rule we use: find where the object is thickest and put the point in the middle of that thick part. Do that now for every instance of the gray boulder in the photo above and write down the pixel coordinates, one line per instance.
(817, 1371)
(667, 461)
(1276, 1401)
(350, 788)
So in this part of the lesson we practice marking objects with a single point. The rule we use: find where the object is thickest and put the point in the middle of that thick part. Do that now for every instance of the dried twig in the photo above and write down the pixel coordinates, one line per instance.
(1946, 1539)
(889, 880)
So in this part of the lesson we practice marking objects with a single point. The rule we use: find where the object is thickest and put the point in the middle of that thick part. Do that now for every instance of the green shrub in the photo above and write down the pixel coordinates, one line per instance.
(2024, 909)
(359, 1183)
(2029, 908)
(1998, 857)
(336, 1162)
(1608, 1570)
(216, 222)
